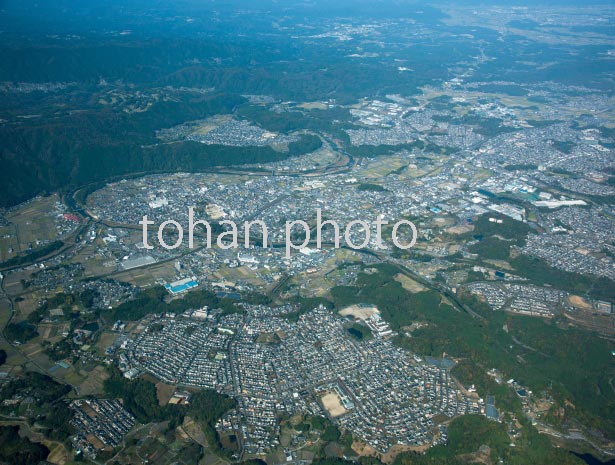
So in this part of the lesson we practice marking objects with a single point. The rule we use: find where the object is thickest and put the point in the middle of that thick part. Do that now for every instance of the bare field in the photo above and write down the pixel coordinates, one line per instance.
(463, 229)
(394, 451)
(579, 302)
(105, 339)
(148, 275)
(164, 392)
(93, 384)
(58, 455)
(333, 405)
(360, 312)
(313, 105)
(29, 224)
(381, 166)
(409, 284)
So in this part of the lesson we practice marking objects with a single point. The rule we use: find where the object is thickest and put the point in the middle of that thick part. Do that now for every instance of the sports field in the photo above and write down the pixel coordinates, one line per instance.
(333, 405)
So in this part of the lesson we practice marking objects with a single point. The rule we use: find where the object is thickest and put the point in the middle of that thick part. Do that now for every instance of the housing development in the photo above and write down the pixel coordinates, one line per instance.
(313, 367)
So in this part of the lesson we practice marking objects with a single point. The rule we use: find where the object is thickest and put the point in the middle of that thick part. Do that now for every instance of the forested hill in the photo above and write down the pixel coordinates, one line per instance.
(65, 153)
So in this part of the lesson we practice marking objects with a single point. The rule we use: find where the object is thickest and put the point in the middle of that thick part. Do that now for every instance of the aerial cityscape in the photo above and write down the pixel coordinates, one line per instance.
(282, 232)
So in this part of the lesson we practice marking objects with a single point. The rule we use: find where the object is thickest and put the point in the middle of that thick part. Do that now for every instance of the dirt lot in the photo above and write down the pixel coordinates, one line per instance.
(333, 405)
(579, 302)
(164, 392)
(362, 313)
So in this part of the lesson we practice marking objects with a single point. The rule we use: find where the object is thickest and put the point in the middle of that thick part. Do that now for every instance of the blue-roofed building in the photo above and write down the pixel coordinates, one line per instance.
(182, 285)
(490, 411)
